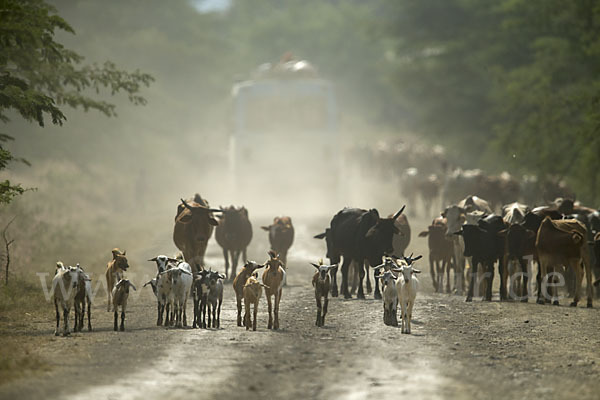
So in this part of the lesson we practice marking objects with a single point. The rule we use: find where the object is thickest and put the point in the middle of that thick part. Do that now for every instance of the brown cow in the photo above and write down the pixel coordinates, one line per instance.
(563, 242)
(114, 272)
(281, 236)
(441, 251)
(194, 224)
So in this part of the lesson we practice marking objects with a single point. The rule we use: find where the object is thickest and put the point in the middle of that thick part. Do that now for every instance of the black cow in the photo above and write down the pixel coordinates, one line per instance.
(484, 243)
(519, 245)
(233, 234)
(358, 235)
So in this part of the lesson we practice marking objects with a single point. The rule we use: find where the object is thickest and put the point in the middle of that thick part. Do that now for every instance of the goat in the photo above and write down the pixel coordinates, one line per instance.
(83, 297)
(252, 290)
(238, 286)
(180, 278)
(390, 297)
(407, 285)
(215, 298)
(114, 272)
(321, 283)
(120, 294)
(161, 286)
(200, 294)
(273, 278)
(64, 289)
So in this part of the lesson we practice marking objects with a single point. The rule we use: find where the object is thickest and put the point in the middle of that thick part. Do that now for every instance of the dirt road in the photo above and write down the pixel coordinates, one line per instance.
(457, 350)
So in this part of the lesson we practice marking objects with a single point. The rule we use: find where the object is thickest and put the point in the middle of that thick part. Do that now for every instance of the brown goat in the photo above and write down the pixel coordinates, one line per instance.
(321, 283)
(273, 277)
(252, 291)
(114, 272)
(238, 285)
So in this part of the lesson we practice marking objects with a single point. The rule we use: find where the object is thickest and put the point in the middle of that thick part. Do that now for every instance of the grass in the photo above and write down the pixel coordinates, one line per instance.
(21, 302)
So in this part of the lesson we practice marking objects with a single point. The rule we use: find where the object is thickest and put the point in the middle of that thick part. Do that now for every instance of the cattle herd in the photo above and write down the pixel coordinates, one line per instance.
(485, 224)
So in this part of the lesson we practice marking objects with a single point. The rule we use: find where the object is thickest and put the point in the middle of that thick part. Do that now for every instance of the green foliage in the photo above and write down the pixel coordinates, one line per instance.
(38, 75)
(515, 80)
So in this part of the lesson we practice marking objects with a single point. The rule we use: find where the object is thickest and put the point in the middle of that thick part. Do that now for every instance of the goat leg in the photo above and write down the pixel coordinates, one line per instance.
(122, 320)
(66, 321)
(89, 305)
(324, 310)
(57, 318)
(116, 318)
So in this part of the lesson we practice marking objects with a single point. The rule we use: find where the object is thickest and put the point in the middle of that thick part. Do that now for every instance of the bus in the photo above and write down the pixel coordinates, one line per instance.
(284, 139)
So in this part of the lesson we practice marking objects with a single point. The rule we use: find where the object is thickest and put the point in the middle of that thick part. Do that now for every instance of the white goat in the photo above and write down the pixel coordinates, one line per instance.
(389, 290)
(161, 286)
(120, 294)
(83, 298)
(64, 289)
(180, 278)
(407, 285)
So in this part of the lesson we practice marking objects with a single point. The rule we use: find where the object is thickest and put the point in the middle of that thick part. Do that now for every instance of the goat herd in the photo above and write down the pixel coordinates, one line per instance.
(468, 238)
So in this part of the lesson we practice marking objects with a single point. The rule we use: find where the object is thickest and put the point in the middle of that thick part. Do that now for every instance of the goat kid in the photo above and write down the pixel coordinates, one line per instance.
(120, 294)
(321, 283)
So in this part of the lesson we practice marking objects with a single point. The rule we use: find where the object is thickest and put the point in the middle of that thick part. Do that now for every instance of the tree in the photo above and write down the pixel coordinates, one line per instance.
(39, 76)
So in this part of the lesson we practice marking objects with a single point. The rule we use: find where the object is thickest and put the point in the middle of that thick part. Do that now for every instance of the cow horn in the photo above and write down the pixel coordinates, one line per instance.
(186, 204)
(399, 212)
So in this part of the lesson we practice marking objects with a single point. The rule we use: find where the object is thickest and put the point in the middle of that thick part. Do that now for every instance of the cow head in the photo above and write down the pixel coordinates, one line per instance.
(455, 218)
(379, 237)
(196, 213)
(471, 235)
(280, 225)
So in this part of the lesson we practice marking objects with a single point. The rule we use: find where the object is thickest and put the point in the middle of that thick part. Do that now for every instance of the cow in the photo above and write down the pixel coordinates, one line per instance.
(469, 210)
(233, 234)
(441, 251)
(194, 224)
(359, 235)
(484, 244)
(563, 242)
(514, 213)
(281, 236)
(429, 189)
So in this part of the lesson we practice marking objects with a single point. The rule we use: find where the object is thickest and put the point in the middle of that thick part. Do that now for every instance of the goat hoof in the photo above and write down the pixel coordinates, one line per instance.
(469, 299)
(347, 296)
(377, 296)
(361, 296)
(56, 333)
(590, 305)
(555, 303)
(65, 334)
(540, 301)
(573, 304)
(524, 300)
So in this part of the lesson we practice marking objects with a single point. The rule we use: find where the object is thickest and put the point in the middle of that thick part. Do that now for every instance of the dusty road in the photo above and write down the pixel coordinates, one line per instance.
(457, 350)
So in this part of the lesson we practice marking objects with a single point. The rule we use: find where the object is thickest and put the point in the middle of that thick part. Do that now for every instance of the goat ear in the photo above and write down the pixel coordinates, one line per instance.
(265, 228)
(315, 265)
(213, 222)
(423, 234)
(416, 271)
(131, 284)
(221, 276)
(417, 258)
(320, 235)
(152, 259)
